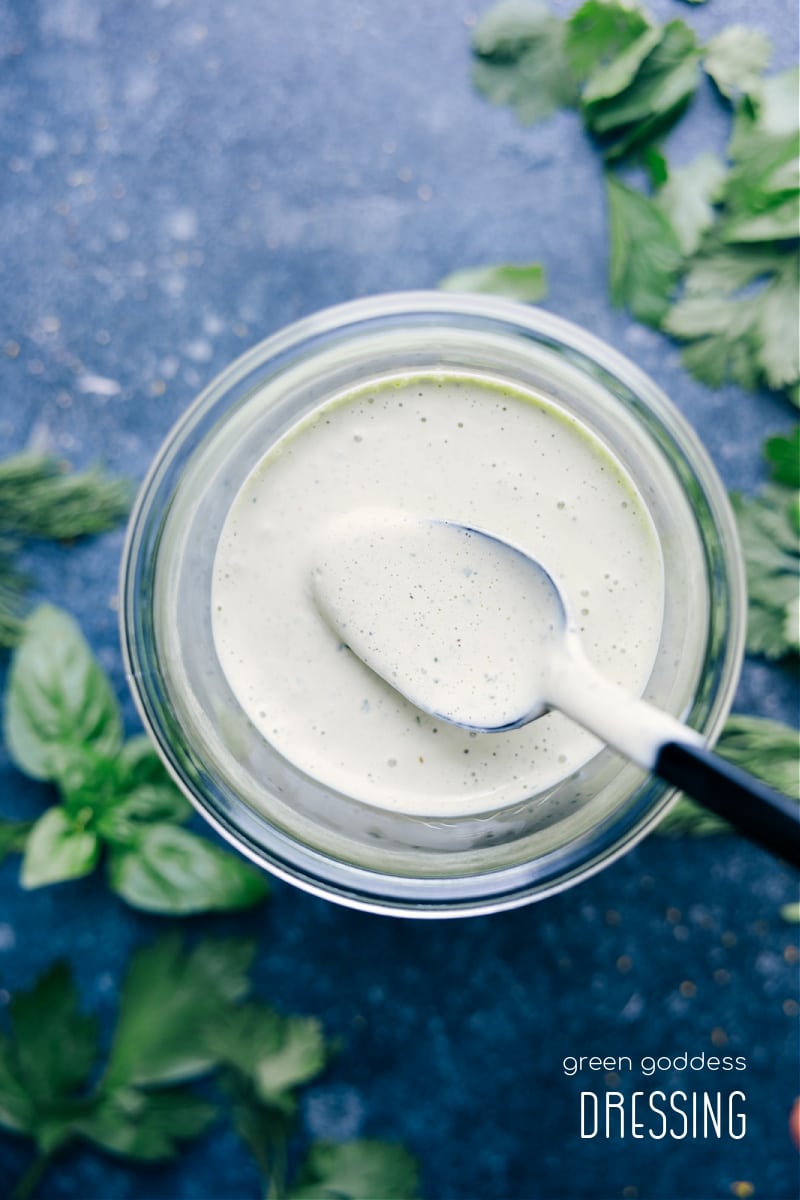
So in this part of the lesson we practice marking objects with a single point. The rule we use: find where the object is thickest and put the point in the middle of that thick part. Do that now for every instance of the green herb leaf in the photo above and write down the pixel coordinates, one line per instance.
(151, 803)
(599, 31)
(170, 870)
(687, 198)
(639, 95)
(768, 529)
(277, 1054)
(767, 749)
(55, 1044)
(645, 256)
(41, 498)
(57, 849)
(619, 73)
(13, 836)
(146, 1125)
(169, 999)
(783, 455)
(736, 58)
(360, 1170)
(521, 59)
(58, 697)
(526, 283)
(739, 314)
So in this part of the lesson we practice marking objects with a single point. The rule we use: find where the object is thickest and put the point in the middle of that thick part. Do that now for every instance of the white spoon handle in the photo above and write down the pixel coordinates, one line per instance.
(627, 723)
(671, 750)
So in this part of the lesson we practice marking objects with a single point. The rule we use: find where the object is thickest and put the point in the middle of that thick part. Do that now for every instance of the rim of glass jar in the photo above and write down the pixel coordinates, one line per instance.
(451, 896)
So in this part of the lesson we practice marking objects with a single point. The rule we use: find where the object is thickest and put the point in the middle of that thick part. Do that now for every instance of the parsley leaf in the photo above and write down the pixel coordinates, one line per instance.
(645, 256)
(599, 31)
(640, 94)
(769, 525)
(169, 999)
(62, 723)
(736, 58)
(739, 316)
(359, 1170)
(276, 1054)
(687, 197)
(783, 455)
(519, 45)
(49, 1058)
(268, 1057)
(765, 748)
(526, 283)
(146, 1125)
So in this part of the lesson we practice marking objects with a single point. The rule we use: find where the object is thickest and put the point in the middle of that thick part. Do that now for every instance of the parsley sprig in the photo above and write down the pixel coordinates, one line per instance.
(41, 499)
(768, 749)
(712, 254)
(116, 802)
(769, 526)
(183, 1014)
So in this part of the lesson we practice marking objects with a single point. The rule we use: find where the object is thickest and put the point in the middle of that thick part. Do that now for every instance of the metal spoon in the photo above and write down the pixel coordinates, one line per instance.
(474, 631)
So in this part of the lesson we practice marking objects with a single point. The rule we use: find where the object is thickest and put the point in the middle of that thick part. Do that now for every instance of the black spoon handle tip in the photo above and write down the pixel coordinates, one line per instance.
(762, 814)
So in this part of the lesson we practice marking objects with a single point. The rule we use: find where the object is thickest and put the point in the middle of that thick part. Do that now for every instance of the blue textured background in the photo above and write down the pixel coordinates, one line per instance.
(179, 178)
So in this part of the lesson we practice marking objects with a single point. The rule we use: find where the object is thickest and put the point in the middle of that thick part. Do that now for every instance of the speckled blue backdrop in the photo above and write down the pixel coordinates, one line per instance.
(179, 178)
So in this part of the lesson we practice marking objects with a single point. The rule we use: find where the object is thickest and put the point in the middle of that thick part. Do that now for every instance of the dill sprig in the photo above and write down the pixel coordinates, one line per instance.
(40, 497)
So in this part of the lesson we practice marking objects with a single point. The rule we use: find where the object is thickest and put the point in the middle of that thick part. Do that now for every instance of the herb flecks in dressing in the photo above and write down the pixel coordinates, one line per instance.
(464, 449)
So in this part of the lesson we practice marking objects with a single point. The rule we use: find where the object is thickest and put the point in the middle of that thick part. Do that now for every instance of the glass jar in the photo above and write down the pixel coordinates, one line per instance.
(323, 840)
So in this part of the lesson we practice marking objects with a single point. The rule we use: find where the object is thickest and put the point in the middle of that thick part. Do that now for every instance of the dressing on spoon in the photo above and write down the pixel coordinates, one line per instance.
(471, 629)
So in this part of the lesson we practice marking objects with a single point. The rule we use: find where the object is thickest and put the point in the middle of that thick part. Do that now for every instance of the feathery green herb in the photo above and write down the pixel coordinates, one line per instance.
(116, 801)
(39, 498)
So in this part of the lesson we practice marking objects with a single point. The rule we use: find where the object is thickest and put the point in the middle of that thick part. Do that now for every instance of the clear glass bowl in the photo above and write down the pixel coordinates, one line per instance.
(284, 820)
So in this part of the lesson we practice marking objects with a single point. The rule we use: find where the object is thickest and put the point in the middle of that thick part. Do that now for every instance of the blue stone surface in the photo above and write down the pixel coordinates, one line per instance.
(178, 179)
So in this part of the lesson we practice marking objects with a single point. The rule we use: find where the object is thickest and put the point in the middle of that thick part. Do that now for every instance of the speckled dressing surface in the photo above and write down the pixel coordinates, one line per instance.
(178, 179)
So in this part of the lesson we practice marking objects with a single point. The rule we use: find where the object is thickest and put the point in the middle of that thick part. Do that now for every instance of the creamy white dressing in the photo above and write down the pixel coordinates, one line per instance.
(460, 448)
(460, 623)
(471, 629)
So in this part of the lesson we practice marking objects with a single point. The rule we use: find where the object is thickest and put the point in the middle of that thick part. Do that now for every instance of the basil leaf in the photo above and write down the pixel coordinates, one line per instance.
(58, 697)
(138, 763)
(170, 870)
(57, 850)
(148, 804)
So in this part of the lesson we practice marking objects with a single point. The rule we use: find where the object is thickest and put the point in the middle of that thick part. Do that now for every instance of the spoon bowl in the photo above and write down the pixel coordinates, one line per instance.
(476, 632)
